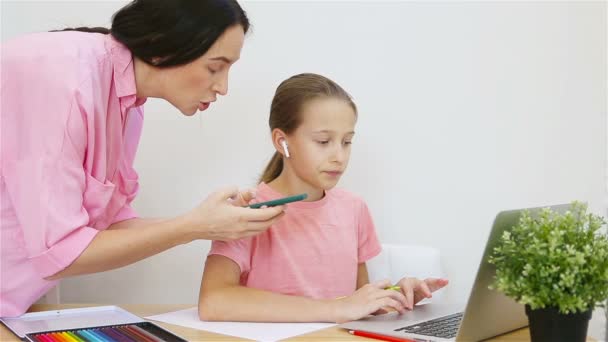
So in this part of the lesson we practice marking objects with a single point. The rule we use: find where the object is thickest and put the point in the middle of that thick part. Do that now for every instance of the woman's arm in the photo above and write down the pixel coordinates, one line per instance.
(126, 242)
(223, 299)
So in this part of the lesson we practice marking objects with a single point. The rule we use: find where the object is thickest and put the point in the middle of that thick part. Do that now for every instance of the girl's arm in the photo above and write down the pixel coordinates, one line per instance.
(362, 275)
(221, 298)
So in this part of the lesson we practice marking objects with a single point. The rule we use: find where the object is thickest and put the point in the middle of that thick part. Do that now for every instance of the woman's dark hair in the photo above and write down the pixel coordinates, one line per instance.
(166, 33)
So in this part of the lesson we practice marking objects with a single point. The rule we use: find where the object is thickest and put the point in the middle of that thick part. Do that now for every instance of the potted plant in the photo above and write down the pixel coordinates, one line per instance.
(557, 265)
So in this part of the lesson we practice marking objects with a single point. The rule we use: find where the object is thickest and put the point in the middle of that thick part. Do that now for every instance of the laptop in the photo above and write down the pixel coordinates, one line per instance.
(486, 314)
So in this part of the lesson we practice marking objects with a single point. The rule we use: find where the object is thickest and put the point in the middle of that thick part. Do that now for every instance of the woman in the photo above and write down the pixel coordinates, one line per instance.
(71, 120)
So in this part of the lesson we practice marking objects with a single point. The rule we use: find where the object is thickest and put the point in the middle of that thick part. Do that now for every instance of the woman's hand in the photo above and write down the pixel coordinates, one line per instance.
(367, 300)
(416, 290)
(222, 216)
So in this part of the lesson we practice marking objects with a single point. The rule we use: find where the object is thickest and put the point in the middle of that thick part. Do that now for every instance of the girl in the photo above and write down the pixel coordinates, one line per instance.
(310, 265)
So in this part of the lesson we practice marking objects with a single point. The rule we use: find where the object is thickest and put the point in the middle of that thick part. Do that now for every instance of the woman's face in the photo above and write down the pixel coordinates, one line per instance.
(194, 86)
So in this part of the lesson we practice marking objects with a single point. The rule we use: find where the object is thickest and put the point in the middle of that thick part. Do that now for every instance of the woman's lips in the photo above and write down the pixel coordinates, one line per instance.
(203, 105)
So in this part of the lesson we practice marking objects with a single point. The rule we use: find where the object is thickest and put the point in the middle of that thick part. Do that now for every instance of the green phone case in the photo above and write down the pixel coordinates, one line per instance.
(279, 201)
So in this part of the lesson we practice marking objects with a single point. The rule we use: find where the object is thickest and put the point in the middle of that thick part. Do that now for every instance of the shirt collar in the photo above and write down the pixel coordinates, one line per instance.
(124, 74)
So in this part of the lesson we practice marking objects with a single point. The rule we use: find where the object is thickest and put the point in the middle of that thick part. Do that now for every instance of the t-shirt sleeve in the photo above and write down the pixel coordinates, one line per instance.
(238, 251)
(369, 246)
(45, 182)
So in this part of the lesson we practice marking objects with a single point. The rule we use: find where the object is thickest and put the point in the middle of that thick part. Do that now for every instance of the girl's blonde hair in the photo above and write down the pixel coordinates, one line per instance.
(285, 110)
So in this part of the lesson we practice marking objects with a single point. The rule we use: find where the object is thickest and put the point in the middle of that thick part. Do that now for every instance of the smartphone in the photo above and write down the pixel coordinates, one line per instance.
(279, 201)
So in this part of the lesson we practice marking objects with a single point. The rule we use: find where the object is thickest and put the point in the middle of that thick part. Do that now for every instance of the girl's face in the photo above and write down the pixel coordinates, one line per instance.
(320, 147)
(194, 86)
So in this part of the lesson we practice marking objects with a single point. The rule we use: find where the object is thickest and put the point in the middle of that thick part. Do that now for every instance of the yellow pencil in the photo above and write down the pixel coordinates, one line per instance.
(74, 336)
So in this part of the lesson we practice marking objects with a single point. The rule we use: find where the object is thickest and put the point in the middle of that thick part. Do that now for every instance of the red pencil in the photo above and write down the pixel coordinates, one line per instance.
(378, 336)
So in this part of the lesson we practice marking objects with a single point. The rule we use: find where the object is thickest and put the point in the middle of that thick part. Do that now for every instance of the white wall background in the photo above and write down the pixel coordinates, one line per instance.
(466, 109)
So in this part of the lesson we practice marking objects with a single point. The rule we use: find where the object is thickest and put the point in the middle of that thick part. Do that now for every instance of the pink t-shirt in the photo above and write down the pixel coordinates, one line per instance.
(71, 124)
(313, 251)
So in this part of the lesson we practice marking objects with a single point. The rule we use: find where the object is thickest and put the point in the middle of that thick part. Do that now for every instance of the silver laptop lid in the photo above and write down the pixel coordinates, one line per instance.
(488, 312)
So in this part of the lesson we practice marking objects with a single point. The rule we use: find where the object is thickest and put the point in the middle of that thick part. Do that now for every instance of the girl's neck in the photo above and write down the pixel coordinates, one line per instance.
(289, 184)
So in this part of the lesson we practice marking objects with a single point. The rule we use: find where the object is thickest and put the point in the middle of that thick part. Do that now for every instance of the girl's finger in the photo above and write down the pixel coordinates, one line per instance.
(408, 291)
(381, 284)
(380, 312)
(422, 292)
(436, 283)
(391, 303)
(396, 295)
(424, 288)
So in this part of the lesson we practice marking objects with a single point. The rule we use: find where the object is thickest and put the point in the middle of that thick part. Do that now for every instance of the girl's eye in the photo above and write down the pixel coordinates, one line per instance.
(323, 142)
(212, 70)
(348, 142)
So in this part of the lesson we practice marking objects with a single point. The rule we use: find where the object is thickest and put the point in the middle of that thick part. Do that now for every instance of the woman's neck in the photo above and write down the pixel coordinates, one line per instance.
(146, 83)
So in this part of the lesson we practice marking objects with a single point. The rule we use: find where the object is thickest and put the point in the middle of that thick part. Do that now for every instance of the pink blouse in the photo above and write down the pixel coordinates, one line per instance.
(70, 126)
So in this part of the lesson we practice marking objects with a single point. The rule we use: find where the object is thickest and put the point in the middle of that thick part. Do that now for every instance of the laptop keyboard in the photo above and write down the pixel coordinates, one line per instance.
(444, 327)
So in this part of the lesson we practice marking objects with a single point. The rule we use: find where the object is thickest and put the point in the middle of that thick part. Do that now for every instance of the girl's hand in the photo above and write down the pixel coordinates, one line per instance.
(222, 216)
(369, 299)
(416, 290)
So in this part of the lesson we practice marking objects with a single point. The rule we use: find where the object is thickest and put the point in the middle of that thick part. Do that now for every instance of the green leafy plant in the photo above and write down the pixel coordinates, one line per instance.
(554, 260)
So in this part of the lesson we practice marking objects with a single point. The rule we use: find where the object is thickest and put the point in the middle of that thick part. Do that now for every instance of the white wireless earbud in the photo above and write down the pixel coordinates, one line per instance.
(284, 144)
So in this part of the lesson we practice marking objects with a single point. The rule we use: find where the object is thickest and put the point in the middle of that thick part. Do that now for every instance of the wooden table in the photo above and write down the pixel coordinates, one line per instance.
(143, 310)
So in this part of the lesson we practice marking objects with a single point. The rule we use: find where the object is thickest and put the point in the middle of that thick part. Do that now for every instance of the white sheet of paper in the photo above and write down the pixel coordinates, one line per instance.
(255, 331)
